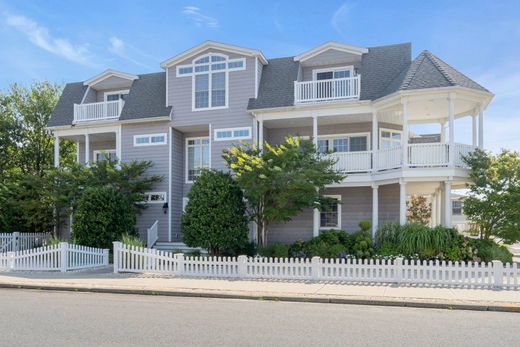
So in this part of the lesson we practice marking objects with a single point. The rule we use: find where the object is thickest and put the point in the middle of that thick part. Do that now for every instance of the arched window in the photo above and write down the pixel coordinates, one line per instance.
(210, 79)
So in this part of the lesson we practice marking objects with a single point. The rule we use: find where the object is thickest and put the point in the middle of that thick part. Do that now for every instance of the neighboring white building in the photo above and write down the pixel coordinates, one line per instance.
(357, 101)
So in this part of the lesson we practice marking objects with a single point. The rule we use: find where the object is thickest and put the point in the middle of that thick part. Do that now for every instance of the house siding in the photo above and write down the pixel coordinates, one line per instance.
(177, 182)
(307, 72)
(158, 155)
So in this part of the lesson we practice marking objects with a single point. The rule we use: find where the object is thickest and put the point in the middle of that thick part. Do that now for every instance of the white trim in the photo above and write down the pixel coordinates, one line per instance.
(212, 45)
(150, 143)
(166, 101)
(99, 151)
(85, 95)
(256, 77)
(330, 45)
(333, 69)
(170, 151)
(210, 140)
(109, 73)
(115, 92)
(148, 196)
(186, 180)
(233, 137)
(337, 197)
(185, 201)
(119, 139)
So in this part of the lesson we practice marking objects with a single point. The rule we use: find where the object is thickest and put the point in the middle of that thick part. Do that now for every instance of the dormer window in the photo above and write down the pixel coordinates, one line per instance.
(333, 73)
(210, 74)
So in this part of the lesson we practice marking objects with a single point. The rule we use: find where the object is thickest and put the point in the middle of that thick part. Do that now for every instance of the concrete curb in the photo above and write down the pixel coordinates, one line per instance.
(399, 302)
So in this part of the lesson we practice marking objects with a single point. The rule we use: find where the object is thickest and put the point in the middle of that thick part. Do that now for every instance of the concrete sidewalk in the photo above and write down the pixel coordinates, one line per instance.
(104, 280)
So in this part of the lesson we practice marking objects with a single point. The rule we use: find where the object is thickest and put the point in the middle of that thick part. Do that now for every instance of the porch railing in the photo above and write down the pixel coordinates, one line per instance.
(353, 161)
(325, 90)
(428, 154)
(98, 110)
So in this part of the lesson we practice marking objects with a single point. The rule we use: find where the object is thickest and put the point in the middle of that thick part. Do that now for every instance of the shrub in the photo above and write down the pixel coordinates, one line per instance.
(488, 250)
(387, 233)
(365, 225)
(215, 217)
(362, 245)
(296, 250)
(103, 215)
(277, 250)
(131, 240)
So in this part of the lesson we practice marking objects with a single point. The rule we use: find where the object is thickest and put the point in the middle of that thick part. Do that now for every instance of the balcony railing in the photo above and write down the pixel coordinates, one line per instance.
(98, 111)
(327, 90)
(428, 155)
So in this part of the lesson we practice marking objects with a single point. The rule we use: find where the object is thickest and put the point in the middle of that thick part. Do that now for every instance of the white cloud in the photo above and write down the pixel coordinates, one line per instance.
(40, 37)
(339, 18)
(121, 49)
(198, 18)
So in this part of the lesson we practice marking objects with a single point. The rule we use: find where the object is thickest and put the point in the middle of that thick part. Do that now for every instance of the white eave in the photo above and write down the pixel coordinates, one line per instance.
(215, 45)
(107, 74)
(330, 45)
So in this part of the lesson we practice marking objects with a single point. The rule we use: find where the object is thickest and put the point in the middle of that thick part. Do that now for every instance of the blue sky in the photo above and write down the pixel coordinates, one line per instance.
(65, 41)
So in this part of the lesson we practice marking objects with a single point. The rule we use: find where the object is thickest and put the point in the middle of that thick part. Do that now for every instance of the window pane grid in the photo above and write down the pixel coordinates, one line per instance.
(198, 157)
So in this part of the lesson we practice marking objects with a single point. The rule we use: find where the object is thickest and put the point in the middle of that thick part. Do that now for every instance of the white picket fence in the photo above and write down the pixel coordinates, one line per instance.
(495, 274)
(12, 242)
(61, 257)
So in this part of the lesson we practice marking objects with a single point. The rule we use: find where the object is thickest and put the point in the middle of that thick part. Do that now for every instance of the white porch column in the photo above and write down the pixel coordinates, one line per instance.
(56, 151)
(118, 144)
(451, 120)
(443, 131)
(402, 202)
(316, 223)
(87, 149)
(404, 101)
(434, 209)
(260, 133)
(439, 207)
(447, 204)
(375, 209)
(77, 152)
(474, 138)
(375, 137)
(481, 128)
(315, 130)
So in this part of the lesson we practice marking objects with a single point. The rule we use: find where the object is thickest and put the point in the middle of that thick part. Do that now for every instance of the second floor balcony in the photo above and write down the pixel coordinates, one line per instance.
(327, 90)
(97, 111)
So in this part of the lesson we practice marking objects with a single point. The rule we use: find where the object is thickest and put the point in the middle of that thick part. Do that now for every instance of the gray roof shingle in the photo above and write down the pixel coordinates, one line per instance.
(63, 114)
(428, 71)
(147, 99)
(277, 84)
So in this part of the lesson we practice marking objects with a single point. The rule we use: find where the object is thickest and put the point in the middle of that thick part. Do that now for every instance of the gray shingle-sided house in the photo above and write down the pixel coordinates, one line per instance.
(357, 102)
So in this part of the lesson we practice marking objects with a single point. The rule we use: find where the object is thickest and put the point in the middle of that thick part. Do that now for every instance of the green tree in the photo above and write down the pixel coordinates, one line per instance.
(280, 181)
(103, 216)
(493, 201)
(215, 216)
(419, 210)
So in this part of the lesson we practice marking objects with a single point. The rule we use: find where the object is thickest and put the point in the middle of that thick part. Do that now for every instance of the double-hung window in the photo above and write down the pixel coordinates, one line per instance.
(343, 143)
(456, 207)
(330, 214)
(210, 75)
(390, 138)
(197, 155)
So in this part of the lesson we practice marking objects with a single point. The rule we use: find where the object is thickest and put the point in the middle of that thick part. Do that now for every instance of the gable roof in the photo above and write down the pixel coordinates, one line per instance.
(147, 99)
(429, 71)
(276, 84)
(216, 45)
(330, 45)
(107, 74)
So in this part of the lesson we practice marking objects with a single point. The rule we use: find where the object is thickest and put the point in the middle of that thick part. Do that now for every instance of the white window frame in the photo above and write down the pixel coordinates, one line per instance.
(461, 208)
(391, 131)
(165, 142)
(106, 94)
(148, 197)
(332, 69)
(99, 151)
(338, 198)
(226, 71)
(233, 137)
(186, 154)
(342, 136)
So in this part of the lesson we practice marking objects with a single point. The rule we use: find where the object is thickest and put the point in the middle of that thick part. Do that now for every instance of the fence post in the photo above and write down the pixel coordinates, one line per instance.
(498, 273)
(15, 242)
(242, 266)
(105, 257)
(116, 260)
(398, 268)
(64, 255)
(10, 260)
(179, 260)
(316, 268)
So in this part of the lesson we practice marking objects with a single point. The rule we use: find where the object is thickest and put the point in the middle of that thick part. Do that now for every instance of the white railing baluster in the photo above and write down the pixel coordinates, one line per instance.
(97, 110)
(323, 90)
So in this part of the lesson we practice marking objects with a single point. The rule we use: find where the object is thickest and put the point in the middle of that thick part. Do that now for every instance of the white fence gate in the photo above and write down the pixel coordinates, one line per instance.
(495, 274)
(12, 242)
(61, 257)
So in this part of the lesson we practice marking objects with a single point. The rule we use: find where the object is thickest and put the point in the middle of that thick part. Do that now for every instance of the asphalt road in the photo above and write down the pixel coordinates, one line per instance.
(38, 318)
